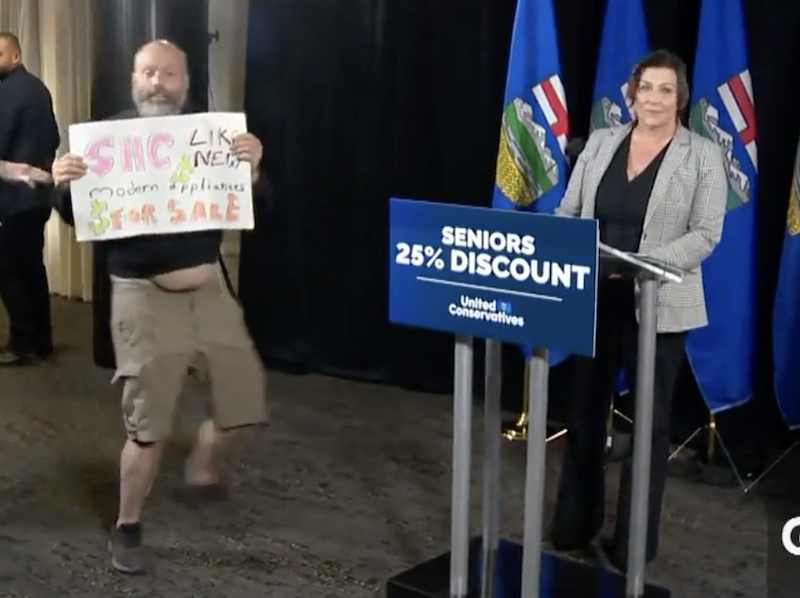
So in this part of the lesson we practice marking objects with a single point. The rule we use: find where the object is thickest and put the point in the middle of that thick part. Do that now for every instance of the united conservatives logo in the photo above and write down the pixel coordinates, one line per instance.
(477, 308)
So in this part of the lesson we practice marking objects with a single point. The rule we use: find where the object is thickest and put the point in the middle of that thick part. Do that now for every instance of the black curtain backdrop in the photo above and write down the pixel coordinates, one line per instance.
(121, 27)
(372, 99)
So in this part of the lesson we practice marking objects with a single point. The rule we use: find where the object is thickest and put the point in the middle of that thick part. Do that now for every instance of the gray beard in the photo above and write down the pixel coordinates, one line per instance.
(146, 108)
(150, 109)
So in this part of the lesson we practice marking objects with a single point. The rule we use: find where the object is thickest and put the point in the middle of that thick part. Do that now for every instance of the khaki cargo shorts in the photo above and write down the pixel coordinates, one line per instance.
(158, 334)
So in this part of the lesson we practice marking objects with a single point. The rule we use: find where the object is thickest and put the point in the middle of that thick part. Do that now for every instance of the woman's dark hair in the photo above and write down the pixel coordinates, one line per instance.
(661, 59)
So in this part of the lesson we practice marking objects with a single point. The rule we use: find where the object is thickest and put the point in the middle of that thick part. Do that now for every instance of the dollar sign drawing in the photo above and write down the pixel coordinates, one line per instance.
(100, 222)
(182, 171)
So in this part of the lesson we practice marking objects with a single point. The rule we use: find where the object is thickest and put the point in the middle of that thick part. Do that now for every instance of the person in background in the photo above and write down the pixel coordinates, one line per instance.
(168, 305)
(659, 190)
(28, 136)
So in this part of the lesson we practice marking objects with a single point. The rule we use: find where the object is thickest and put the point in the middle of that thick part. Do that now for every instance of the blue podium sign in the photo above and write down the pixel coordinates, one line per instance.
(516, 277)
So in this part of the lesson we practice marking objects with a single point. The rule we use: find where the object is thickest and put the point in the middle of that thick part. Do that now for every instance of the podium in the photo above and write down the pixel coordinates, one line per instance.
(488, 567)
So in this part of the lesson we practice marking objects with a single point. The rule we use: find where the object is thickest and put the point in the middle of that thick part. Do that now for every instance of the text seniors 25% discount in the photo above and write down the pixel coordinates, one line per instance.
(467, 250)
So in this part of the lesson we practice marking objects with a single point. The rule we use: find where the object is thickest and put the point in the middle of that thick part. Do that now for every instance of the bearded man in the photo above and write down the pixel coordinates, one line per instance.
(167, 307)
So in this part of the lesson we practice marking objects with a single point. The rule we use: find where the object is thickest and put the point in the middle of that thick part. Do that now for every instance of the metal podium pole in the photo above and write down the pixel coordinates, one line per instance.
(535, 474)
(491, 467)
(642, 437)
(462, 453)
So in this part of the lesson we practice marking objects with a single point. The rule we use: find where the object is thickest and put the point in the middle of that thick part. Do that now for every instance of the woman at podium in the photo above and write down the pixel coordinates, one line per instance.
(659, 190)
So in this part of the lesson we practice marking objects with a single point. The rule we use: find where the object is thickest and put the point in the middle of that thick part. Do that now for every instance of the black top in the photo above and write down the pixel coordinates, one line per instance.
(28, 134)
(621, 205)
(147, 256)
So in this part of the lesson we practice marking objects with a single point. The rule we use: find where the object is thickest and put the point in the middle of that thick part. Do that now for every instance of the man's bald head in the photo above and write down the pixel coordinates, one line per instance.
(163, 49)
(10, 52)
(160, 79)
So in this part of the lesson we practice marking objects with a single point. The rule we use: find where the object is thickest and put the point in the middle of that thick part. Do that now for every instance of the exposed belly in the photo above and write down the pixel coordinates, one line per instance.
(187, 278)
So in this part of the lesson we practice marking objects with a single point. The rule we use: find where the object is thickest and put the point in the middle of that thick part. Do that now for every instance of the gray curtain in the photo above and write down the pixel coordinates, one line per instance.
(121, 26)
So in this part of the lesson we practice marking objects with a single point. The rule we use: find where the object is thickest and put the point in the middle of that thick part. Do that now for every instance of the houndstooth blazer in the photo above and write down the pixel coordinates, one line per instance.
(684, 217)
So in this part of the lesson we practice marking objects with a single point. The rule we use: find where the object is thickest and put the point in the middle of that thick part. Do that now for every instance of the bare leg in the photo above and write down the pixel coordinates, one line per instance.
(138, 467)
(202, 467)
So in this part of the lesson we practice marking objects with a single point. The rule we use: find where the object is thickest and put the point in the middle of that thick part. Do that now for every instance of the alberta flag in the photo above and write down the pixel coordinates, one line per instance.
(624, 43)
(531, 166)
(786, 314)
(721, 354)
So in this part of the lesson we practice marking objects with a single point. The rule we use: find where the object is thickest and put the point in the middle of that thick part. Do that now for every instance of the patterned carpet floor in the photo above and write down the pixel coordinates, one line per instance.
(349, 486)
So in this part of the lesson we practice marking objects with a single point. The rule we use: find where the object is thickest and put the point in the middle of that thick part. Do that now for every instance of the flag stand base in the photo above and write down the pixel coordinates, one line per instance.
(517, 429)
(561, 577)
(715, 475)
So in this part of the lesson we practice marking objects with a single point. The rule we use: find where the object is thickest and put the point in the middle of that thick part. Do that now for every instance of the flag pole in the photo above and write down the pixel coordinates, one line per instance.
(519, 429)
(712, 438)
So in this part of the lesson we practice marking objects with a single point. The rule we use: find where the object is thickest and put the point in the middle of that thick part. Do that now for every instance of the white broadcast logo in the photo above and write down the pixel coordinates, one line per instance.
(788, 542)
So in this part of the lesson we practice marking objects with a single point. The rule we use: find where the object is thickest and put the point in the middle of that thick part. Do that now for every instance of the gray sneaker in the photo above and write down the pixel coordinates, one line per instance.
(125, 546)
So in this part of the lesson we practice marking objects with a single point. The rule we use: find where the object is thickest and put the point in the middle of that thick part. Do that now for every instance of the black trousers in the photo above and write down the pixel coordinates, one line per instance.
(581, 498)
(23, 282)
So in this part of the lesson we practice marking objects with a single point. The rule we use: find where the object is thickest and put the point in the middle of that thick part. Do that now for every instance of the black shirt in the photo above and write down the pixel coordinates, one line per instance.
(621, 204)
(28, 134)
(147, 256)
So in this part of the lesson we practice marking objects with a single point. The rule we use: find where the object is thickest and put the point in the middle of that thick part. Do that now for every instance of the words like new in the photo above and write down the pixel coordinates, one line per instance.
(178, 213)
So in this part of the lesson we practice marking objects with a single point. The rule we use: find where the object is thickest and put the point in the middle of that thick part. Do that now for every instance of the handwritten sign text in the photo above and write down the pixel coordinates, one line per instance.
(151, 176)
